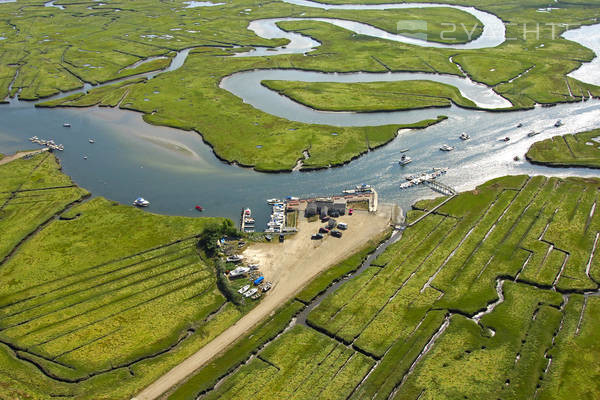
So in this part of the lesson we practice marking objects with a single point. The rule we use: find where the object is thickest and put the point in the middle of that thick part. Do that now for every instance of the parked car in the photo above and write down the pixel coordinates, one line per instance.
(350, 211)
(332, 224)
(324, 219)
(323, 230)
(317, 236)
(336, 234)
(342, 226)
(281, 238)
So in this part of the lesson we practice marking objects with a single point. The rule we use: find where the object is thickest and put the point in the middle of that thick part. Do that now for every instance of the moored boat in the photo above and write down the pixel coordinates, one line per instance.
(464, 136)
(405, 160)
(446, 147)
(141, 202)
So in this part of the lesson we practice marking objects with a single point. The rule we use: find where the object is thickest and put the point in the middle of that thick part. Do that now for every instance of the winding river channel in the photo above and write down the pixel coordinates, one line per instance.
(175, 170)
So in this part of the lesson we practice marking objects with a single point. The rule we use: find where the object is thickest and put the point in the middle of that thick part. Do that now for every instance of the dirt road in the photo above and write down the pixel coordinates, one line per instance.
(19, 154)
(290, 266)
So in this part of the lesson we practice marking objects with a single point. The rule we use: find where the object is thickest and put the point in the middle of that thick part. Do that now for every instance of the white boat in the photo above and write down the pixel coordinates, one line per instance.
(363, 188)
(91, 141)
(67, 125)
(405, 160)
(235, 258)
(558, 123)
(533, 133)
(244, 289)
(273, 201)
(141, 202)
(239, 271)
(445, 147)
(247, 212)
(251, 292)
(464, 136)
(349, 191)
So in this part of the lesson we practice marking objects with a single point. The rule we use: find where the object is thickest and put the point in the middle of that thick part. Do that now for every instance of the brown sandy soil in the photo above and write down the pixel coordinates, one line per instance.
(290, 266)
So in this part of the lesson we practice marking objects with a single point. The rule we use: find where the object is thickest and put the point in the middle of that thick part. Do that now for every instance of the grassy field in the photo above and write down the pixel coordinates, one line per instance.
(97, 299)
(89, 42)
(369, 97)
(473, 302)
(575, 150)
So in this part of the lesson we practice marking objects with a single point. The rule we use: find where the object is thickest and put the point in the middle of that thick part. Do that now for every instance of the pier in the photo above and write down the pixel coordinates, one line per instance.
(441, 188)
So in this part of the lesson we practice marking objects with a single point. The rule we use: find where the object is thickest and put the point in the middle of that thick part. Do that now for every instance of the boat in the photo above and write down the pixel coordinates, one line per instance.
(249, 221)
(363, 188)
(67, 125)
(404, 160)
(292, 198)
(199, 208)
(464, 136)
(251, 292)
(505, 139)
(141, 202)
(247, 212)
(404, 150)
(558, 123)
(445, 147)
(235, 258)
(519, 125)
(243, 289)
(239, 271)
(85, 157)
(91, 141)
(273, 201)
(349, 191)
(533, 133)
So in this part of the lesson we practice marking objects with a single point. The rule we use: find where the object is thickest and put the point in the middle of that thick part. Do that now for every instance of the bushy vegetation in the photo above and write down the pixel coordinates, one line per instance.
(97, 299)
(368, 97)
(45, 59)
(573, 150)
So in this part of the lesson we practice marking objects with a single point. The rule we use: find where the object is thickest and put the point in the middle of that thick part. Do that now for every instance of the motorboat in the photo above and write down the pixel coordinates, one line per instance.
(141, 202)
(273, 201)
(91, 141)
(533, 133)
(199, 208)
(520, 125)
(243, 289)
(67, 125)
(558, 123)
(404, 150)
(445, 147)
(247, 212)
(239, 271)
(505, 139)
(464, 136)
(363, 188)
(234, 259)
(405, 160)
(251, 292)
(348, 191)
